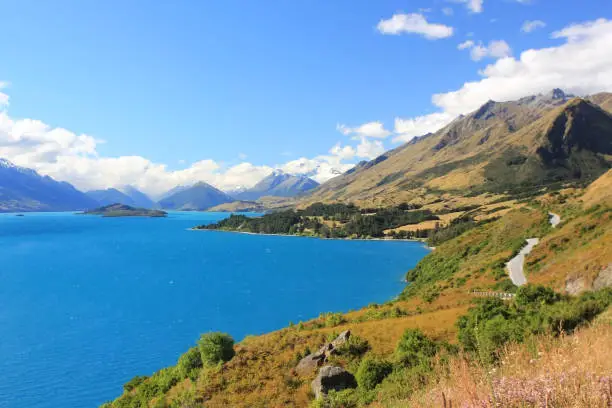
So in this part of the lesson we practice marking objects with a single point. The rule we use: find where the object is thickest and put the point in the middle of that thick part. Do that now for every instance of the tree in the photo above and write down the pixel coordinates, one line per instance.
(215, 348)
(190, 362)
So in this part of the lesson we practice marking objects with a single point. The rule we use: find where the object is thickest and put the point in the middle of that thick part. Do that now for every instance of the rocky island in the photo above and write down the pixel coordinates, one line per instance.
(122, 210)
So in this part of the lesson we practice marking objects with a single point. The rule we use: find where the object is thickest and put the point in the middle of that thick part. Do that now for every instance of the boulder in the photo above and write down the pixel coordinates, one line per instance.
(311, 362)
(604, 278)
(332, 378)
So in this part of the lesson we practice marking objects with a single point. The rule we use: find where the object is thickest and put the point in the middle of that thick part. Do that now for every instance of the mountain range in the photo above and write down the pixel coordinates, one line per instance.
(277, 184)
(23, 189)
(200, 196)
(128, 195)
(502, 146)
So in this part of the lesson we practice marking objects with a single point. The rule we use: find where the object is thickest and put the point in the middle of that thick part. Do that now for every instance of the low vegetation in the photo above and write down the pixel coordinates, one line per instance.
(329, 221)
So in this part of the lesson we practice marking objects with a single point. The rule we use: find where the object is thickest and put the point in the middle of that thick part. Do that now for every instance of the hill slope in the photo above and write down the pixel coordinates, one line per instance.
(278, 184)
(534, 141)
(200, 196)
(444, 285)
(23, 189)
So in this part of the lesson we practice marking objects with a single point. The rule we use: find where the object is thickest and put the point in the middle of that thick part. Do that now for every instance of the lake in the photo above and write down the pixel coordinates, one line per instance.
(86, 303)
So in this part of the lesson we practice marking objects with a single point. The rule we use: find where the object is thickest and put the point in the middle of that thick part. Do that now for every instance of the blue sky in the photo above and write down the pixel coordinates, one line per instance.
(264, 82)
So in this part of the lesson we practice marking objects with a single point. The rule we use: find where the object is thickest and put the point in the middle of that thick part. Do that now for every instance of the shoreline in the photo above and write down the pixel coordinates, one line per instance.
(315, 237)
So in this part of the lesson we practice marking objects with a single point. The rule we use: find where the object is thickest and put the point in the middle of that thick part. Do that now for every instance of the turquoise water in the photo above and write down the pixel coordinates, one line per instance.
(86, 303)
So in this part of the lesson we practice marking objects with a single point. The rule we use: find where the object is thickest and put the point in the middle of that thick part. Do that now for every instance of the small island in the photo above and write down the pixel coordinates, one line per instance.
(122, 210)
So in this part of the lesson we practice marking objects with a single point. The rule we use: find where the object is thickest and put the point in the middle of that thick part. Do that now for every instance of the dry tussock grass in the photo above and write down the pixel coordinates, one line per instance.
(566, 372)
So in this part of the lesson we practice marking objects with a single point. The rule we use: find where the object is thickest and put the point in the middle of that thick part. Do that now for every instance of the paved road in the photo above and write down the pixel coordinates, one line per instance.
(515, 265)
(555, 219)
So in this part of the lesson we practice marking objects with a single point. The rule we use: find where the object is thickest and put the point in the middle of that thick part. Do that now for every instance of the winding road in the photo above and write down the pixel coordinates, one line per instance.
(555, 219)
(515, 265)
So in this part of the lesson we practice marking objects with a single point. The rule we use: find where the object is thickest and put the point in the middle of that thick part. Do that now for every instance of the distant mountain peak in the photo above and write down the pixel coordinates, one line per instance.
(485, 111)
(278, 183)
(6, 164)
(558, 93)
(200, 196)
(23, 189)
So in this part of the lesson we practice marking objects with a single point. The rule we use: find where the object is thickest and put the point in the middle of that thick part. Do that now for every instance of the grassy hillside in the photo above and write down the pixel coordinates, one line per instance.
(464, 366)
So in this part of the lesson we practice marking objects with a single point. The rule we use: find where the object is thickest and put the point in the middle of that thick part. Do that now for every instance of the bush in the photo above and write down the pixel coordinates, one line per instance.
(134, 382)
(354, 347)
(492, 323)
(415, 348)
(536, 295)
(216, 348)
(190, 363)
(371, 372)
(334, 319)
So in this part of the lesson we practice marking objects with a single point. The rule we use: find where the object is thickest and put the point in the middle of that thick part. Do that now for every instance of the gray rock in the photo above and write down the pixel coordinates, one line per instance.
(604, 278)
(311, 362)
(332, 378)
(574, 286)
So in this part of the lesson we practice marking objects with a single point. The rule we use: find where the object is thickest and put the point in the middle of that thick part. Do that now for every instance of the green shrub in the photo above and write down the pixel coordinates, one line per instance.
(536, 309)
(536, 295)
(134, 382)
(190, 363)
(415, 348)
(371, 372)
(334, 319)
(354, 347)
(216, 348)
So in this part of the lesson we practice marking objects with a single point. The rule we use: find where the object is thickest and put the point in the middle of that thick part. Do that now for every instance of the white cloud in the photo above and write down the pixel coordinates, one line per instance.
(66, 156)
(344, 153)
(495, 49)
(4, 98)
(408, 129)
(581, 65)
(414, 24)
(448, 11)
(531, 25)
(320, 168)
(465, 44)
(369, 149)
(475, 6)
(242, 156)
(370, 129)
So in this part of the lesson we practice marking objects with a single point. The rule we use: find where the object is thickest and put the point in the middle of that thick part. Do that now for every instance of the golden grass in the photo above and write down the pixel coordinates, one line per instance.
(444, 220)
(262, 372)
(566, 372)
(600, 191)
(578, 250)
(464, 177)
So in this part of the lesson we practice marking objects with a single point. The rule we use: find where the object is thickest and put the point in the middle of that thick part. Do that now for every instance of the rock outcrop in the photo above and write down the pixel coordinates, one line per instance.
(311, 362)
(332, 378)
(604, 278)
